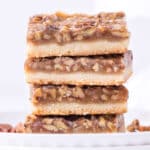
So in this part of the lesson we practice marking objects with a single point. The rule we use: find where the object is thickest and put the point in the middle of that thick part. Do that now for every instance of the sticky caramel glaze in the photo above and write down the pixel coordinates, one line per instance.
(104, 63)
(63, 28)
(80, 94)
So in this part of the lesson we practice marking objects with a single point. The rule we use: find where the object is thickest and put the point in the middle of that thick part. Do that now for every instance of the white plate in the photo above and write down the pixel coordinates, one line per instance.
(78, 140)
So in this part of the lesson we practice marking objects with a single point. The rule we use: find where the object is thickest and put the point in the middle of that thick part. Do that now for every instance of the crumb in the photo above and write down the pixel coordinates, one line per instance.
(19, 128)
(135, 126)
(6, 128)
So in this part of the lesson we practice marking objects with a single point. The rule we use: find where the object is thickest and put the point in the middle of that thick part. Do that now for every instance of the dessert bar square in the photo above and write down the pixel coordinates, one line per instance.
(112, 69)
(68, 100)
(74, 124)
(63, 34)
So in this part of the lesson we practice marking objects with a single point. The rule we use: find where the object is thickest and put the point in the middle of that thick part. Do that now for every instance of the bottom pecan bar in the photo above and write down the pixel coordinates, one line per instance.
(74, 124)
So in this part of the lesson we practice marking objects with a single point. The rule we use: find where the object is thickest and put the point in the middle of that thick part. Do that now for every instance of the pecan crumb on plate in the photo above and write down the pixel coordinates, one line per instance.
(136, 126)
(9, 128)
(6, 128)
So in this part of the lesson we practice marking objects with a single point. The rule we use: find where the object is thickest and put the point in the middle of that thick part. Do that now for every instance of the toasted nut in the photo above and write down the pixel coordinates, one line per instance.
(47, 121)
(119, 34)
(34, 65)
(60, 125)
(105, 90)
(62, 91)
(48, 67)
(66, 37)
(75, 67)
(102, 122)
(104, 97)
(70, 99)
(37, 19)
(68, 68)
(30, 119)
(58, 67)
(116, 27)
(74, 125)
(19, 128)
(111, 126)
(69, 62)
(47, 22)
(144, 128)
(28, 130)
(96, 67)
(59, 99)
(53, 93)
(87, 123)
(114, 97)
(46, 37)
(136, 126)
(115, 68)
(116, 91)
(101, 28)
(61, 14)
(64, 29)
(108, 70)
(110, 62)
(38, 92)
(78, 37)
(5, 128)
(50, 127)
(30, 36)
(84, 61)
(133, 126)
(78, 92)
(89, 32)
(38, 36)
(58, 37)
(68, 93)
(57, 60)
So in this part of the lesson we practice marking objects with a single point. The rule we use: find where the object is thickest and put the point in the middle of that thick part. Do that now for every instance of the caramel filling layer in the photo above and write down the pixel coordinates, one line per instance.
(78, 94)
(105, 64)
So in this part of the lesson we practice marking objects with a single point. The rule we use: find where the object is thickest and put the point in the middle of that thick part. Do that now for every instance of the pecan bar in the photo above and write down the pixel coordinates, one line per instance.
(66, 100)
(112, 69)
(74, 124)
(62, 34)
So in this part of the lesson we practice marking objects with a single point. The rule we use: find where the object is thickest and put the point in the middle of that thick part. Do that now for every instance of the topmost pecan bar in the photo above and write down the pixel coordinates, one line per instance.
(62, 28)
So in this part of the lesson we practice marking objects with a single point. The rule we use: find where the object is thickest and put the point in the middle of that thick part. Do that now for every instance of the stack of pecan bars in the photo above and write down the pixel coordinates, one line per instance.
(76, 66)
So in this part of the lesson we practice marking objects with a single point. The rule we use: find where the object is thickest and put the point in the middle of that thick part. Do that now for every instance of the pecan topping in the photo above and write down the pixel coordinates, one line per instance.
(63, 28)
(82, 94)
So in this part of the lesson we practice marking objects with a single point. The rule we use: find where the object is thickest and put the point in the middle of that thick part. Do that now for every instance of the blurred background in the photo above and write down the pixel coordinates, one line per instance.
(14, 15)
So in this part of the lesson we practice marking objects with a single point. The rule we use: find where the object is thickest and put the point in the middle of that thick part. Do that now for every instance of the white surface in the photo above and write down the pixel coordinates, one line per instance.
(143, 147)
(76, 140)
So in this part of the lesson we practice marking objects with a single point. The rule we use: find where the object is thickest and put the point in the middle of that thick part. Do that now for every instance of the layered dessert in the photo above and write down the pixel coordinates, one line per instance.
(74, 124)
(66, 100)
(76, 65)
(112, 69)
